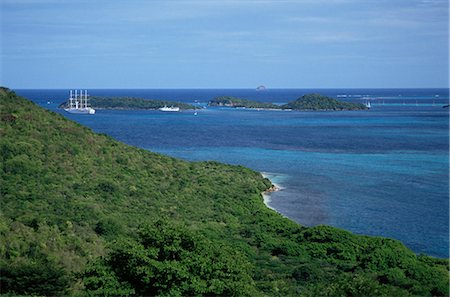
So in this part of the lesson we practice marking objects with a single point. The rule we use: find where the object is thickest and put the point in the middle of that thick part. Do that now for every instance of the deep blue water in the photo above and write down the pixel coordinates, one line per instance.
(382, 172)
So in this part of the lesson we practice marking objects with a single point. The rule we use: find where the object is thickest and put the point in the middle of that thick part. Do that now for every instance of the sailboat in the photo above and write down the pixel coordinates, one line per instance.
(367, 104)
(78, 103)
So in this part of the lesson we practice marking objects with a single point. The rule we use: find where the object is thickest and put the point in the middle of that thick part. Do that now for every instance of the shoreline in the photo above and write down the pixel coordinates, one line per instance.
(266, 193)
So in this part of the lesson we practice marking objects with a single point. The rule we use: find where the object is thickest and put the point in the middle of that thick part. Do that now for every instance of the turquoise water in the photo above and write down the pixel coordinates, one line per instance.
(378, 172)
(394, 195)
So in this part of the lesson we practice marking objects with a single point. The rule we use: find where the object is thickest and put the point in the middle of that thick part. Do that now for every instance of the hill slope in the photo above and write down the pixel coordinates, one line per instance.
(83, 214)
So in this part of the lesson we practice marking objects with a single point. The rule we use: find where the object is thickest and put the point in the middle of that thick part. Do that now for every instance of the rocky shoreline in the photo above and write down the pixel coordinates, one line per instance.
(266, 193)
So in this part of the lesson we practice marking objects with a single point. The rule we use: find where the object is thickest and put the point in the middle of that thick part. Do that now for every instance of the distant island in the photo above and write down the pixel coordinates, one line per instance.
(261, 88)
(314, 102)
(320, 102)
(131, 103)
(229, 101)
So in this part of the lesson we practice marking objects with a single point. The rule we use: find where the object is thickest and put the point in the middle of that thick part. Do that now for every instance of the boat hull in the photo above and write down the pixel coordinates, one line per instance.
(80, 110)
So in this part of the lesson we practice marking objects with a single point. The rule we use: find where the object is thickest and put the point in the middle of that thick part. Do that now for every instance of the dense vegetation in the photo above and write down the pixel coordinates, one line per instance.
(85, 215)
(239, 102)
(131, 103)
(320, 102)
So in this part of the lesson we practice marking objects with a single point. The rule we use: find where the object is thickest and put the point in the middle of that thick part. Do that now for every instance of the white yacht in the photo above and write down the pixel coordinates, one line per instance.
(172, 108)
(78, 103)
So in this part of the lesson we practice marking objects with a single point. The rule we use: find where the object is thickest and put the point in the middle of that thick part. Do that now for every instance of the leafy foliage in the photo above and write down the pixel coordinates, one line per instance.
(167, 259)
(41, 277)
(85, 215)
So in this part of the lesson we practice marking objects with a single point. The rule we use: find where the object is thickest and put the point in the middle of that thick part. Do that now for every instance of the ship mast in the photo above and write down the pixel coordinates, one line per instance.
(85, 99)
(71, 100)
(76, 99)
(81, 99)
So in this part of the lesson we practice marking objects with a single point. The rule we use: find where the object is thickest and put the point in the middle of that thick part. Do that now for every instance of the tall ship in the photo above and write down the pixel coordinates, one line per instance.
(78, 103)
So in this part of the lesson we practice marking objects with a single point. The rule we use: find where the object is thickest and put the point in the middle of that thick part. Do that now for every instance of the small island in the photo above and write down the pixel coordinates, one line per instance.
(132, 103)
(229, 101)
(308, 102)
(319, 102)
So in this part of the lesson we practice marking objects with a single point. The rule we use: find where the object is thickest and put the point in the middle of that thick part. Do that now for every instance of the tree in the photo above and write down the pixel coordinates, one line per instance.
(169, 259)
(40, 277)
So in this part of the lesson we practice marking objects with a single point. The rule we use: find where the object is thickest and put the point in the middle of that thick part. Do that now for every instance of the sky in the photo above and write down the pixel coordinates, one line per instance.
(224, 44)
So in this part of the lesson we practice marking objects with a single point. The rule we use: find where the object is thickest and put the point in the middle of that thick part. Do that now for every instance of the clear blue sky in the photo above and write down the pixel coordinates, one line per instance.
(224, 43)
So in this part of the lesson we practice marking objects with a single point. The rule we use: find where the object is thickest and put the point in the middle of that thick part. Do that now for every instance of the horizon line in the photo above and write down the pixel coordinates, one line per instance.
(239, 88)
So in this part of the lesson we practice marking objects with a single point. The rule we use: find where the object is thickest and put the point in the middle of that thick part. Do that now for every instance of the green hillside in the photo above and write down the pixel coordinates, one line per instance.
(85, 215)
(320, 102)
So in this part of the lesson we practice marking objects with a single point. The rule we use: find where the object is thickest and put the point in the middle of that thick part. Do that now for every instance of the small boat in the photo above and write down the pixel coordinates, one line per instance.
(78, 103)
(170, 109)
(367, 104)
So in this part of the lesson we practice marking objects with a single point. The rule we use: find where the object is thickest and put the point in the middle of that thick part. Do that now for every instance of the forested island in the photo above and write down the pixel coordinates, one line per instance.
(320, 102)
(131, 103)
(229, 101)
(314, 102)
(86, 215)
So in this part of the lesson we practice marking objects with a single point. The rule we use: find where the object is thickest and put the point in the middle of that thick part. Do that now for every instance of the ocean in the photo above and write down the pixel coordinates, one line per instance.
(381, 172)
